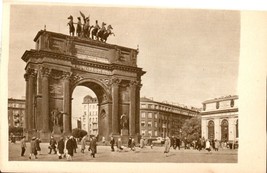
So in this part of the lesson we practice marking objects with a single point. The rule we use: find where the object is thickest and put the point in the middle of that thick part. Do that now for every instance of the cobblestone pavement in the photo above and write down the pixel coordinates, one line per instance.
(146, 154)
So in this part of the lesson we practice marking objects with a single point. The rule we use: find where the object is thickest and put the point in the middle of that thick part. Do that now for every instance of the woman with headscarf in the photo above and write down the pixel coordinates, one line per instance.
(167, 145)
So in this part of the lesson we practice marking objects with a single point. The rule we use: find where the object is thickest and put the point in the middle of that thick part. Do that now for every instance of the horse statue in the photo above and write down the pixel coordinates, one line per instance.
(104, 34)
(86, 26)
(95, 30)
(71, 26)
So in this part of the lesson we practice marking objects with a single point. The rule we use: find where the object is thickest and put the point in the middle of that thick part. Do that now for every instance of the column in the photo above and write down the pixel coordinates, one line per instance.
(45, 99)
(66, 103)
(30, 100)
(26, 119)
(132, 108)
(137, 113)
(115, 105)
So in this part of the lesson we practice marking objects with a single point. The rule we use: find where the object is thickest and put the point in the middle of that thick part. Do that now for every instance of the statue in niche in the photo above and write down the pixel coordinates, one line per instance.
(124, 121)
(56, 117)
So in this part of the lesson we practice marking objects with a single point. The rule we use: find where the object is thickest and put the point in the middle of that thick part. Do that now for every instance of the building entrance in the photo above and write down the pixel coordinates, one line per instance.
(59, 63)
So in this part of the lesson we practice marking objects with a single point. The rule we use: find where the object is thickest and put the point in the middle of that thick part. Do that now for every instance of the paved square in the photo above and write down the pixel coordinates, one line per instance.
(147, 154)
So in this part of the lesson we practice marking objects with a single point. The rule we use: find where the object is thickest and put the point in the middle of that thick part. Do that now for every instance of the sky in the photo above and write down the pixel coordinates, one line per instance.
(189, 55)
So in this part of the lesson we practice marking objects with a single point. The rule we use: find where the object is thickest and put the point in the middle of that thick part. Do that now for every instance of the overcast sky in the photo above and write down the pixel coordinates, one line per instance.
(189, 55)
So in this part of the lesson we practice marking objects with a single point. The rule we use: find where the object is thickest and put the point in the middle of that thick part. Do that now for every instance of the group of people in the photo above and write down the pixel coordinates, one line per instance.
(64, 148)
(84, 30)
(34, 147)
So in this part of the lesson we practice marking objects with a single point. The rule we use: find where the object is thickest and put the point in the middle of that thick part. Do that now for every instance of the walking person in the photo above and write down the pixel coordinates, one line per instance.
(208, 145)
(70, 148)
(133, 145)
(83, 143)
(142, 143)
(119, 145)
(23, 146)
(75, 145)
(38, 141)
(33, 148)
(167, 146)
(217, 145)
(60, 147)
(112, 142)
(129, 142)
(93, 147)
(52, 145)
(178, 143)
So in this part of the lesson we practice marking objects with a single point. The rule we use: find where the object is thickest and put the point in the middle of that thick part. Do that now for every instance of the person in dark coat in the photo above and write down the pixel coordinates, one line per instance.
(38, 141)
(60, 147)
(75, 145)
(52, 145)
(93, 147)
(23, 146)
(178, 143)
(33, 148)
(112, 142)
(129, 142)
(70, 148)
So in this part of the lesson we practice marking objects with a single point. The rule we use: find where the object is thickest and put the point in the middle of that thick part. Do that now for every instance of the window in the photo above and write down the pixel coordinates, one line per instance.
(150, 133)
(156, 106)
(143, 115)
(156, 115)
(143, 106)
(150, 115)
(156, 124)
(150, 106)
(149, 124)
(156, 133)
(143, 123)
(143, 132)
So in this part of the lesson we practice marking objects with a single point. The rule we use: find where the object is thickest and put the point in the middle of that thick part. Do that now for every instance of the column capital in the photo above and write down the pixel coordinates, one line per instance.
(134, 83)
(66, 75)
(45, 72)
(115, 81)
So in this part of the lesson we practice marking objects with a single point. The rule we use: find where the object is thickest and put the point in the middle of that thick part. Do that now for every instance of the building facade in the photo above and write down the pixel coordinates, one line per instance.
(16, 112)
(89, 119)
(219, 119)
(162, 119)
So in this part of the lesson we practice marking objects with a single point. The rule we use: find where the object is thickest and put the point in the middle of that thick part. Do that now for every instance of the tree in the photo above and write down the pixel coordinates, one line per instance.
(191, 129)
(78, 133)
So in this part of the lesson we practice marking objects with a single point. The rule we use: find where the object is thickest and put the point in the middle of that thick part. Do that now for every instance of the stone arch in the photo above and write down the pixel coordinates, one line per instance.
(224, 130)
(211, 129)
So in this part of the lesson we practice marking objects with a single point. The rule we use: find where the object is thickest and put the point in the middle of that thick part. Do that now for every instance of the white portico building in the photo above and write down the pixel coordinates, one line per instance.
(219, 119)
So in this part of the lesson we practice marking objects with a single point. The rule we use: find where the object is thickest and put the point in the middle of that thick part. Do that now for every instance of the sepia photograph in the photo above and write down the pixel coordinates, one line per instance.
(114, 85)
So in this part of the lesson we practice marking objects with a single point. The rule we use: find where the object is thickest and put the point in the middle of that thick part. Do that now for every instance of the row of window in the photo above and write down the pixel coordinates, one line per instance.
(164, 108)
(93, 106)
(16, 105)
(149, 133)
(93, 113)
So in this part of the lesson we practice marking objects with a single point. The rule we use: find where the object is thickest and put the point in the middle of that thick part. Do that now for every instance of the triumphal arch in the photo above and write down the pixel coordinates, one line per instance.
(59, 63)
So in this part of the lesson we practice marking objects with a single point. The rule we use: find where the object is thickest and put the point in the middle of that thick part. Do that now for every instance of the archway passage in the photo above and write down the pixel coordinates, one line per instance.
(59, 64)
(211, 130)
(224, 130)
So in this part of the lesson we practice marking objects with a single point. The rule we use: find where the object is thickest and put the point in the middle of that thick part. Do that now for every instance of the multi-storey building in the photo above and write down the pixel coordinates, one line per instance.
(219, 118)
(159, 119)
(16, 112)
(89, 119)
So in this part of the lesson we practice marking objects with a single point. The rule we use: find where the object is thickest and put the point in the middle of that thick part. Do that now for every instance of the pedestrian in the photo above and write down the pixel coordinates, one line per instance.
(199, 145)
(133, 145)
(142, 142)
(83, 143)
(23, 146)
(60, 147)
(178, 143)
(103, 140)
(119, 144)
(75, 145)
(208, 145)
(38, 141)
(33, 148)
(129, 142)
(93, 147)
(217, 145)
(70, 148)
(167, 145)
(52, 145)
(112, 142)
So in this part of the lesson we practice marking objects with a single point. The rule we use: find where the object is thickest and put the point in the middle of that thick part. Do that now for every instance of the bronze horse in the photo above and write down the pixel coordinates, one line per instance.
(104, 34)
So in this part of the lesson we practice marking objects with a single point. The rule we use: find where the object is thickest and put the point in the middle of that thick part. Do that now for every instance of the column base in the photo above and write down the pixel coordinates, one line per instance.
(29, 134)
(45, 136)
